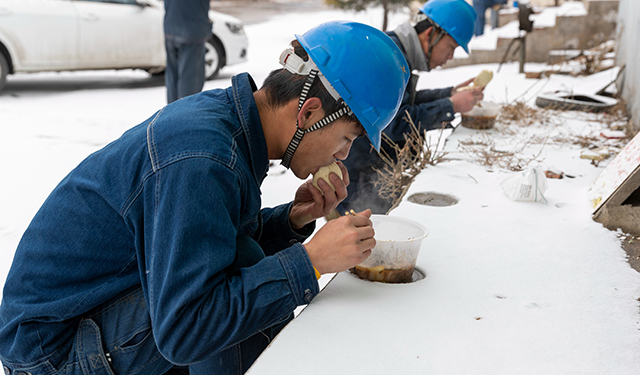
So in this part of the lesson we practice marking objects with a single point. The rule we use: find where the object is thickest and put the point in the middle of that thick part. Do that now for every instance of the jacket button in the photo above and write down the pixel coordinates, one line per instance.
(6, 370)
(308, 296)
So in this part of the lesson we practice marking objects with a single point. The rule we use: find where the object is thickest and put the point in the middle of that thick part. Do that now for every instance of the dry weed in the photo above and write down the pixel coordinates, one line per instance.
(520, 114)
(484, 152)
(398, 172)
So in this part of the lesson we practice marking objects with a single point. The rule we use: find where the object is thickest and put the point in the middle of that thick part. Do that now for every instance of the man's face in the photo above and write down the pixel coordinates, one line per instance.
(442, 51)
(323, 146)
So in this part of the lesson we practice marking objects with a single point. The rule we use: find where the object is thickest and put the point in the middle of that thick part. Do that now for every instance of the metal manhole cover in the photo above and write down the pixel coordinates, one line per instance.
(418, 275)
(433, 199)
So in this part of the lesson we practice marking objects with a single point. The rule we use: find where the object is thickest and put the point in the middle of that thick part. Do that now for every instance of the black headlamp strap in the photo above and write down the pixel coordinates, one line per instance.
(297, 137)
(432, 43)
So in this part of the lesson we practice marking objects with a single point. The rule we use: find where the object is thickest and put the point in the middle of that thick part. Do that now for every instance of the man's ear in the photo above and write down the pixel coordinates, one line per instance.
(310, 113)
(425, 34)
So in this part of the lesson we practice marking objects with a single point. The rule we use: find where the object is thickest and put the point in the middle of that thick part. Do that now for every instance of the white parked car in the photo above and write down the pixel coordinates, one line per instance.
(62, 35)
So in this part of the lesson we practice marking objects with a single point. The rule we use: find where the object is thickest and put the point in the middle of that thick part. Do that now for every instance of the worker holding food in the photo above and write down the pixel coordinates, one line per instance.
(155, 256)
(442, 25)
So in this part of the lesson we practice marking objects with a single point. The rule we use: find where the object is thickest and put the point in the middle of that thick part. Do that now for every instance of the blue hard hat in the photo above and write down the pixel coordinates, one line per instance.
(364, 66)
(456, 17)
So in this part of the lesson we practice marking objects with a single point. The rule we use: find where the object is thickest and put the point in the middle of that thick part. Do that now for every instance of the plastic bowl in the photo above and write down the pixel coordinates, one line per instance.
(398, 243)
(481, 116)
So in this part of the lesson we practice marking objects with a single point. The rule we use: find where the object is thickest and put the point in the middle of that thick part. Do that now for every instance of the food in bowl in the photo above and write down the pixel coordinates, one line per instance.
(385, 275)
(393, 259)
(482, 116)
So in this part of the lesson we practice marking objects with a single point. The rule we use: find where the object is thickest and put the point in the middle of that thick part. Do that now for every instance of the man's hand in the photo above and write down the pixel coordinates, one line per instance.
(309, 204)
(463, 101)
(464, 84)
(342, 243)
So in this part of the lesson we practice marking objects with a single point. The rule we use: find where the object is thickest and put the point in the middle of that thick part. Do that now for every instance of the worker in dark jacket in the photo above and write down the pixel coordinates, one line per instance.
(186, 28)
(442, 26)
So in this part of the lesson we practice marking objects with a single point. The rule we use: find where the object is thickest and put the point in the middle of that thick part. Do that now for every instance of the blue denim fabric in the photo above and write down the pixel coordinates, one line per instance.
(186, 28)
(166, 208)
(429, 110)
(187, 20)
(117, 338)
(184, 73)
(480, 6)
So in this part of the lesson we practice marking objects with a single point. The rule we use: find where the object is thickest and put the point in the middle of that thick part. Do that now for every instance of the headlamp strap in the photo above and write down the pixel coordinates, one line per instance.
(305, 89)
(294, 64)
(432, 43)
(297, 137)
(311, 76)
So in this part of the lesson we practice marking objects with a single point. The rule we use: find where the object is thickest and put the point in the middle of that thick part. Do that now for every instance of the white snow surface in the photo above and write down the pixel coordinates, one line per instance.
(510, 288)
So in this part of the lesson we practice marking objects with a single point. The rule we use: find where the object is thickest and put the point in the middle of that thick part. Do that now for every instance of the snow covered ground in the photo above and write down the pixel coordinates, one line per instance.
(553, 291)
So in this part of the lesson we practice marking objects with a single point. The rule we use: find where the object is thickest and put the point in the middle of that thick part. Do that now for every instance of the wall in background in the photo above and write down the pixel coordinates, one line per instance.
(628, 54)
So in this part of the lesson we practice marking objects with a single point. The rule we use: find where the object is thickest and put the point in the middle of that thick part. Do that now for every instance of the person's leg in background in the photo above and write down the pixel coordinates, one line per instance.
(495, 16)
(171, 70)
(480, 7)
(190, 69)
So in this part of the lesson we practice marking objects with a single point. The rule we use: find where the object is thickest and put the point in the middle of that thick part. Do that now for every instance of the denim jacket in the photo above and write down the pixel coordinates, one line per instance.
(161, 207)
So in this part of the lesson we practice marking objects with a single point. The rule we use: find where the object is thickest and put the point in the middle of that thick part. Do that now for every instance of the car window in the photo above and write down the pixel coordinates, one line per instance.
(129, 2)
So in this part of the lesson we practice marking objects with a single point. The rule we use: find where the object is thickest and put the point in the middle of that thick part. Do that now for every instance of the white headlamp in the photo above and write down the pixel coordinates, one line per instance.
(296, 65)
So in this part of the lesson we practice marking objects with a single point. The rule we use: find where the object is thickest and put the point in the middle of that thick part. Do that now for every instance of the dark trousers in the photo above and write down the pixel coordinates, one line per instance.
(184, 74)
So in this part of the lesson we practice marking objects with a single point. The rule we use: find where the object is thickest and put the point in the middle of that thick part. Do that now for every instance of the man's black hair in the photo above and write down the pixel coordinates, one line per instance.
(424, 24)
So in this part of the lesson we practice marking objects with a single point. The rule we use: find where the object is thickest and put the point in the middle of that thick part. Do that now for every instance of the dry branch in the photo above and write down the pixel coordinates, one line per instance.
(397, 173)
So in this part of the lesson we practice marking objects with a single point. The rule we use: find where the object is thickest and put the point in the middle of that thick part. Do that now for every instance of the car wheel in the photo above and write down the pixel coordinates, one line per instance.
(4, 70)
(213, 58)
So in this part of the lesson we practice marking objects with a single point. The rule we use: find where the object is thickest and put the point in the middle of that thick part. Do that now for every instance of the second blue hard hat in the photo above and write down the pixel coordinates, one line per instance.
(456, 17)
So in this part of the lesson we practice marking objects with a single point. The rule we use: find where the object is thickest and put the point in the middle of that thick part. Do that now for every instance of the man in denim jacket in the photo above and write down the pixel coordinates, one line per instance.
(442, 26)
(154, 254)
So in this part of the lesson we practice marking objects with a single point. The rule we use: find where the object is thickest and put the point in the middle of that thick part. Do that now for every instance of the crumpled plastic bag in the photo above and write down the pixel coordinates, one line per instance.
(526, 186)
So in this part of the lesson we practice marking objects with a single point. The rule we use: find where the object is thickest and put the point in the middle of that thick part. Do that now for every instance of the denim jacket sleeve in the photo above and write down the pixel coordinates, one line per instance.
(198, 307)
(277, 234)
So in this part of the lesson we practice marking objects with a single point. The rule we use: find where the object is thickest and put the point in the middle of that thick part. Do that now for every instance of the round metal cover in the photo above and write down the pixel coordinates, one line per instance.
(418, 275)
(433, 199)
